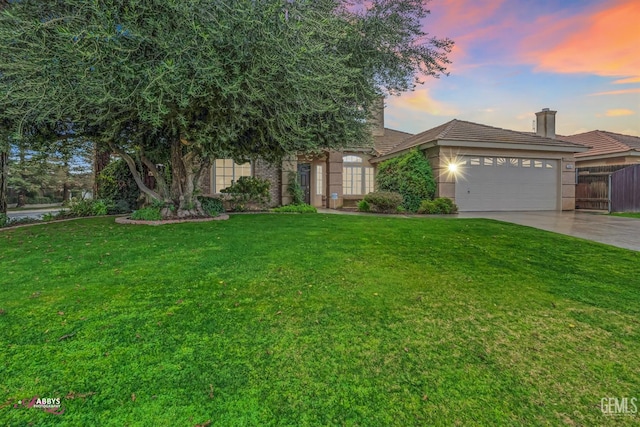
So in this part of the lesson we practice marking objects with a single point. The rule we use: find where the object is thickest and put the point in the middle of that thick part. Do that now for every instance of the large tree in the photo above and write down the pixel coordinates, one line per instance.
(195, 80)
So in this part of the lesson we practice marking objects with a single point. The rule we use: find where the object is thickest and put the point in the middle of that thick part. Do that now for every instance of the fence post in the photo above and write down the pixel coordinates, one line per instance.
(609, 194)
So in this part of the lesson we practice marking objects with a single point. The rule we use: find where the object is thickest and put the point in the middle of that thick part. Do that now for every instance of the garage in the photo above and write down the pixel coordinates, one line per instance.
(491, 183)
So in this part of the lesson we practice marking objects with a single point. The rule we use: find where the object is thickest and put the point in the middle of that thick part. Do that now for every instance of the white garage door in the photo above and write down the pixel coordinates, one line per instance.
(507, 184)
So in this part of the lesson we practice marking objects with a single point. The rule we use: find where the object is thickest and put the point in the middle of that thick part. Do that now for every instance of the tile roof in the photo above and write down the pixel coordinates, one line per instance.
(603, 142)
(390, 139)
(460, 130)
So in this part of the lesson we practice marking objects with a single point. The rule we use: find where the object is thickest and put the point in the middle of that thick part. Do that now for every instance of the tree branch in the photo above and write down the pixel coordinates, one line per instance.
(134, 171)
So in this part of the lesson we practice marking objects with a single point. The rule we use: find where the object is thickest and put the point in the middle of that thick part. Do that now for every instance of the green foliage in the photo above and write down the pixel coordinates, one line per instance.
(409, 175)
(147, 214)
(4, 219)
(300, 208)
(213, 206)
(294, 189)
(116, 184)
(384, 201)
(363, 206)
(87, 207)
(247, 191)
(192, 80)
(441, 205)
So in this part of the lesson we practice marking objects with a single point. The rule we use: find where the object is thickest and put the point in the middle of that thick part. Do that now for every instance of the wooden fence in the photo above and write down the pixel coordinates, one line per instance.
(592, 189)
(625, 189)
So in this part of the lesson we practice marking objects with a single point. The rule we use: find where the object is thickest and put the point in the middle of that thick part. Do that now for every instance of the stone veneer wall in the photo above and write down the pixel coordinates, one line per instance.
(262, 169)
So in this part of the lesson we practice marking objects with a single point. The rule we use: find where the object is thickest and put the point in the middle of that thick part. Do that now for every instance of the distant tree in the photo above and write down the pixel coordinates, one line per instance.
(195, 80)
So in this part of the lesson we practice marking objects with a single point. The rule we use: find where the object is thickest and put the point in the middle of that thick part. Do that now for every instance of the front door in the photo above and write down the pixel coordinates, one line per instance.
(304, 178)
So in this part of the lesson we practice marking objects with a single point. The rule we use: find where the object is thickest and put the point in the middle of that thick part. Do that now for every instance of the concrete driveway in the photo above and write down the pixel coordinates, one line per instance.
(611, 230)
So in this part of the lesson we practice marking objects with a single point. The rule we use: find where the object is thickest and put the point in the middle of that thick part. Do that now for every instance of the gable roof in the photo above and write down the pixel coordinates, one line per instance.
(469, 132)
(601, 143)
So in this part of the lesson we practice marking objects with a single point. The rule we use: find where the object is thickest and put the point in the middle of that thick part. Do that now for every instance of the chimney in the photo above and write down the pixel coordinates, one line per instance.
(546, 123)
(377, 121)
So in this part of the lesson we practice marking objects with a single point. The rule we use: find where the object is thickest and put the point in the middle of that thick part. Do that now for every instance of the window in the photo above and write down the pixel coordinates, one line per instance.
(356, 179)
(488, 161)
(501, 161)
(526, 163)
(474, 161)
(513, 162)
(548, 165)
(226, 172)
(351, 159)
(537, 163)
(319, 189)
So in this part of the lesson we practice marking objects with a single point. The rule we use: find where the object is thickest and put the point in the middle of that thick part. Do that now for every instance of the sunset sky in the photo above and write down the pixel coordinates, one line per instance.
(515, 57)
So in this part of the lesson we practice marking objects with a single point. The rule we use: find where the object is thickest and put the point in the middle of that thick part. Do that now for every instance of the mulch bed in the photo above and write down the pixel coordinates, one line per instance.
(127, 220)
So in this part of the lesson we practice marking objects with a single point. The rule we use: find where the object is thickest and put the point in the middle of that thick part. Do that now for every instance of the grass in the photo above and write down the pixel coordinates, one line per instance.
(627, 214)
(315, 320)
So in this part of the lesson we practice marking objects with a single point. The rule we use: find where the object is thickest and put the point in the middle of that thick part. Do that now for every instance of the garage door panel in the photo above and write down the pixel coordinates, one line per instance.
(507, 184)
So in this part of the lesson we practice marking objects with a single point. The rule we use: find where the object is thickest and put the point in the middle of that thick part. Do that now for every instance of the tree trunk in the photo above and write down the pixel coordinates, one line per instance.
(4, 166)
(101, 158)
(185, 176)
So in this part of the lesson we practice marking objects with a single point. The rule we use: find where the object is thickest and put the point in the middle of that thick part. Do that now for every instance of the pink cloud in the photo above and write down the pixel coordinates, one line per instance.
(604, 42)
(421, 100)
(617, 92)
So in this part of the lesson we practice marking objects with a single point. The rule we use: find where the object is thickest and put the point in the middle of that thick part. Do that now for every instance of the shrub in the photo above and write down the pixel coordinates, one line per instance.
(441, 205)
(410, 175)
(212, 205)
(4, 219)
(301, 208)
(248, 190)
(147, 214)
(363, 206)
(384, 201)
(116, 185)
(295, 190)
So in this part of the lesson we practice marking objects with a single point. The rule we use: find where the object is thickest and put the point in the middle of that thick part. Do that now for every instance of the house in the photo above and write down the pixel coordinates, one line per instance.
(606, 148)
(482, 168)
(607, 153)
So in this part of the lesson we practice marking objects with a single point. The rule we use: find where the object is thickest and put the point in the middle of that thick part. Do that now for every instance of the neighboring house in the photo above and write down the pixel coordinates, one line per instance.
(498, 169)
(606, 148)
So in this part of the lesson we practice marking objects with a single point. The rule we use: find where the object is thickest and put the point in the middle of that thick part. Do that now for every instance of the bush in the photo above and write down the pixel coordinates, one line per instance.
(88, 207)
(212, 205)
(363, 206)
(384, 201)
(4, 219)
(147, 214)
(248, 190)
(301, 208)
(116, 185)
(441, 205)
(295, 190)
(410, 175)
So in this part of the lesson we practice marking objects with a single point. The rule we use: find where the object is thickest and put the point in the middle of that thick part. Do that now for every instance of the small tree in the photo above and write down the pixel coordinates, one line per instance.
(409, 175)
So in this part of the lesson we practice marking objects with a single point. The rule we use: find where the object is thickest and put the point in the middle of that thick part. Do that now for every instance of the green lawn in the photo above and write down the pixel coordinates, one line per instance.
(315, 320)
(628, 214)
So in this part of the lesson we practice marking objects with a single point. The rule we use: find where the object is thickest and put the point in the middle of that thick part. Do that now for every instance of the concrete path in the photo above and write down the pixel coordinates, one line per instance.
(607, 229)
(33, 213)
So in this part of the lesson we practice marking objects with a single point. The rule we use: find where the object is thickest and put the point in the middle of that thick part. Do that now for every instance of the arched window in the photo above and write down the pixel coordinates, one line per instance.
(356, 178)
(351, 159)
